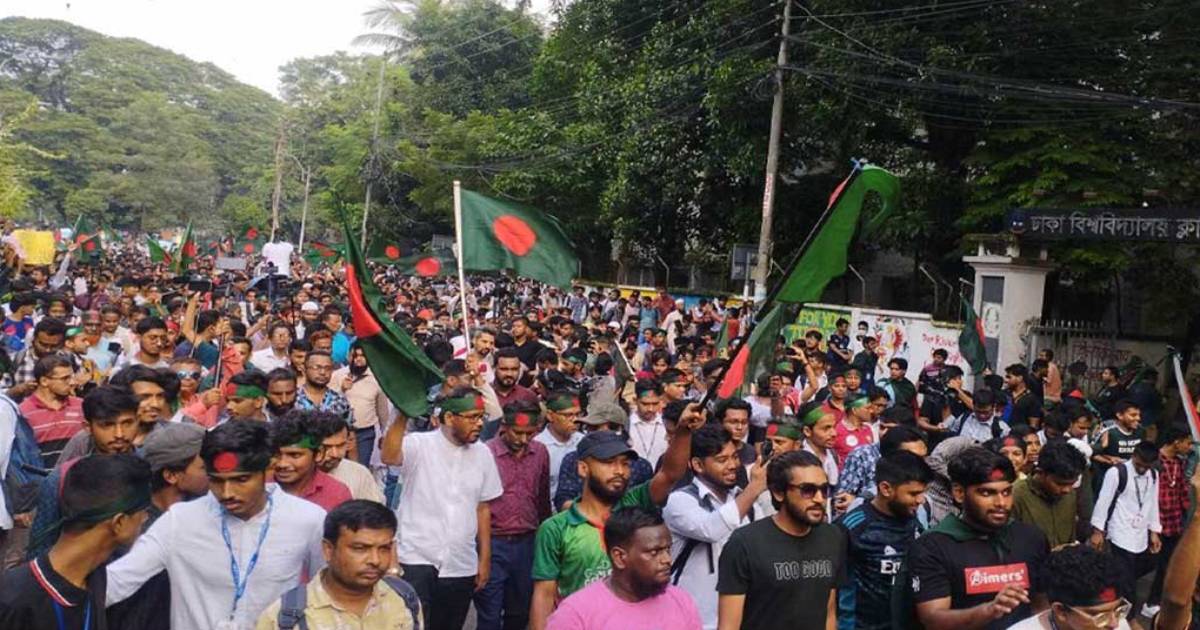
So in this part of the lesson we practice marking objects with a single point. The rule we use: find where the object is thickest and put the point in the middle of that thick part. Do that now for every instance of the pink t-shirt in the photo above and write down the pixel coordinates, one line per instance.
(595, 607)
(847, 439)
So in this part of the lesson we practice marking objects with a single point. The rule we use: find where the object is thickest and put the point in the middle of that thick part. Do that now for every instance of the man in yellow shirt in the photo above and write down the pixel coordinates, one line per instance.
(354, 590)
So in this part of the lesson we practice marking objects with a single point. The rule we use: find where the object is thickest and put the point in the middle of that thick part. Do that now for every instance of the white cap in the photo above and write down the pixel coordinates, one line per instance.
(310, 306)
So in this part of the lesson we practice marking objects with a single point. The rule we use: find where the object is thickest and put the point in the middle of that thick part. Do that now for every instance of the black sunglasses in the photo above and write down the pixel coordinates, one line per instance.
(810, 490)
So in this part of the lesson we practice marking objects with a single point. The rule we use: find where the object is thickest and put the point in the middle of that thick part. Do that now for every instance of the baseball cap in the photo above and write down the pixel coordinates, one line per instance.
(603, 445)
(171, 443)
(600, 413)
(310, 306)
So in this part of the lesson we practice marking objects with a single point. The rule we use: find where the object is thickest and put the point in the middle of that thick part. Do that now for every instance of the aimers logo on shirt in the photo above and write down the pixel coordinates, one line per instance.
(994, 578)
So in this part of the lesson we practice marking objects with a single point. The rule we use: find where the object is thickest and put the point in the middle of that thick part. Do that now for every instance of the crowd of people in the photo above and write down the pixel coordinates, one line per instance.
(213, 451)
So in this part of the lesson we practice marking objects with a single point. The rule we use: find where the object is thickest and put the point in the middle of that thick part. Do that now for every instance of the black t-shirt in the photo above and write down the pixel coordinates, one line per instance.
(786, 579)
(971, 572)
(528, 352)
(1023, 408)
(26, 604)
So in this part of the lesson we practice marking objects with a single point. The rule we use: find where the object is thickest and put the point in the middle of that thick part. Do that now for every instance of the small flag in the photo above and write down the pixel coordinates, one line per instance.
(723, 337)
(385, 251)
(402, 369)
(503, 235)
(439, 262)
(319, 252)
(971, 340)
(249, 243)
(88, 241)
(187, 251)
(157, 253)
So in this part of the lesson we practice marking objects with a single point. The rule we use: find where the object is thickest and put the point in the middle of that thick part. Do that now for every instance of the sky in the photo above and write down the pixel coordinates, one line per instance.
(250, 39)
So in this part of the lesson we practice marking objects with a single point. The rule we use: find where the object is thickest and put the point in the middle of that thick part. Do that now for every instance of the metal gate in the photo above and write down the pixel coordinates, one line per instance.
(1081, 349)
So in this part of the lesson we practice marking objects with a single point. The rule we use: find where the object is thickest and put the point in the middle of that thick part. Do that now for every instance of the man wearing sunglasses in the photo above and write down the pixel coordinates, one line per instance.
(978, 569)
(1081, 584)
(783, 572)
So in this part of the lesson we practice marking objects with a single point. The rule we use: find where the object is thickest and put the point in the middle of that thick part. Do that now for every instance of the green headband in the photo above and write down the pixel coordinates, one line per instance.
(784, 430)
(244, 391)
(855, 403)
(76, 330)
(309, 442)
(575, 359)
(562, 403)
(463, 404)
(132, 503)
(814, 416)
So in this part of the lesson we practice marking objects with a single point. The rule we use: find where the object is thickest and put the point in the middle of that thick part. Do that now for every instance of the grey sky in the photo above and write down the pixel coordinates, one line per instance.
(247, 38)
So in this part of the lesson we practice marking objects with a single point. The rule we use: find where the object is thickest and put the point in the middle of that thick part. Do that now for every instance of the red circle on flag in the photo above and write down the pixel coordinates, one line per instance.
(514, 234)
(427, 267)
(392, 252)
(80, 238)
(189, 249)
(248, 248)
(89, 246)
(251, 234)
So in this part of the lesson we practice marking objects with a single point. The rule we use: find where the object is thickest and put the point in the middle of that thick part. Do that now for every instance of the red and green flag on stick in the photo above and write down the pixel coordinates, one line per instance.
(403, 370)
(157, 253)
(970, 340)
(821, 258)
(505, 235)
(87, 240)
(320, 252)
(249, 242)
(187, 251)
(385, 251)
(439, 262)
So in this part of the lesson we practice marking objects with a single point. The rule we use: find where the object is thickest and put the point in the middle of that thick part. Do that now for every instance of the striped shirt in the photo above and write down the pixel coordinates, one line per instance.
(53, 428)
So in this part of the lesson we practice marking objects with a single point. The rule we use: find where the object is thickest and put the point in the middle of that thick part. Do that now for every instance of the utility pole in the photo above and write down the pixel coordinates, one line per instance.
(374, 143)
(763, 268)
(275, 196)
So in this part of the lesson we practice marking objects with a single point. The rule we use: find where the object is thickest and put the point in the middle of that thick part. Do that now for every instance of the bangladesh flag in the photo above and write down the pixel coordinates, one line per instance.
(723, 337)
(187, 251)
(249, 243)
(825, 257)
(439, 262)
(504, 235)
(384, 251)
(157, 253)
(970, 340)
(402, 369)
(319, 252)
(822, 260)
(88, 240)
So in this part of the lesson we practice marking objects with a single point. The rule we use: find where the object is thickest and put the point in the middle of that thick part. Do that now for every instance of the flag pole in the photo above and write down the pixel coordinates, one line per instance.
(769, 301)
(462, 276)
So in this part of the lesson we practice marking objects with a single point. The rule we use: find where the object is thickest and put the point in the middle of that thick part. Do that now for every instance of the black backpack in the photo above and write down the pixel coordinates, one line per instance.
(1122, 483)
(295, 601)
(690, 546)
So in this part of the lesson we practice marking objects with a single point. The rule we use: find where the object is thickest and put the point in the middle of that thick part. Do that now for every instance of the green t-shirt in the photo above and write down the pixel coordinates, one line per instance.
(570, 549)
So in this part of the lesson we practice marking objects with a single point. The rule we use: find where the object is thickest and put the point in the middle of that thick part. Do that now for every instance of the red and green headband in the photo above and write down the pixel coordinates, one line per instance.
(814, 415)
(563, 403)
(244, 391)
(231, 461)
(520, 419)
(463, 404)
(784, 430)
(857, 403)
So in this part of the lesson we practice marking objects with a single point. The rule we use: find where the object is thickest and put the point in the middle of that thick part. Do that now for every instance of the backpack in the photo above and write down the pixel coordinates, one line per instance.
(25, 471)
(295, 601)
(1122, 483)
(688, 547)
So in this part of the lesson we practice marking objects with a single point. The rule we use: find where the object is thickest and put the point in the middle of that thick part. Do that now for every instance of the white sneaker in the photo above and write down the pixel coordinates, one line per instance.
(1149, 611)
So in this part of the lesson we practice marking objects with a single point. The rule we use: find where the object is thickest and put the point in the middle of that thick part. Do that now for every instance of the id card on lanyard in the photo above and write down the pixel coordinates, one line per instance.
(240, 582)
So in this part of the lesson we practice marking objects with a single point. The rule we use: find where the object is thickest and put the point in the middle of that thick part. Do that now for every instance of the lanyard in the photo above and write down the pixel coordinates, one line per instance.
(653, 438)
(1139, 492)
(239, 582)
(62, 623)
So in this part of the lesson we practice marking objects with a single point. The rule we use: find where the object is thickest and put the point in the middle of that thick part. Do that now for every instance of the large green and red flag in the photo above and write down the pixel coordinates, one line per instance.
(439, 262)
(87, 239)
(402, 369)
(823, 259)
(187, 251)
(249, 242)
(505, 235)
(157, 253)
(385, 251)
(320, 252)
(970, 340)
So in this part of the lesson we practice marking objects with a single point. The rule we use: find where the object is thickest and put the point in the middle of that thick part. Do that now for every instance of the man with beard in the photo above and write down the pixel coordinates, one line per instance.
(354, 590)
(703, 514)
(151, 339)
(508, 372)
(525, 345)
(368, 404)
(48, 338)
(637, 594)
(281, 393)
(878, 535)
(296, 440)
(234, 551)
(568, 552)
(148, 385)
(245, 396)
(173, 453)
(335, 442)
(783, 572)
(978, 570)
(445, 528)
(316, 393)
(524, 466)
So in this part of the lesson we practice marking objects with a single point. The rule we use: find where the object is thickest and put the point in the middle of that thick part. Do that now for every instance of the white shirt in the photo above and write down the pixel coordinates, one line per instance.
(1136, 514)
(281, 255)
(8, 434)
(443, 484)
(359, 480)
(558, 450)
(186, 541)
(968, 425)
(1041, 622)
(688, 519)
(266, 360)
(648, 437)
(829, 463)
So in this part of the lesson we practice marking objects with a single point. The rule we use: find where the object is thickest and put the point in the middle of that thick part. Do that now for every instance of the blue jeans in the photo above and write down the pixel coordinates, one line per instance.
(365, 439)
(503, 603)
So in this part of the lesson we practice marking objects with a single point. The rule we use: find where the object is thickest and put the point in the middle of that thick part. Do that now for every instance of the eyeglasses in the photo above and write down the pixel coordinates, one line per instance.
(810, 490)
(1106, 619)
(183, 376)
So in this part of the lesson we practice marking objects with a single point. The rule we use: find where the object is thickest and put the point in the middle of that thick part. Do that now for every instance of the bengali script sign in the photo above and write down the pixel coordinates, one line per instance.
(1176, 225)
